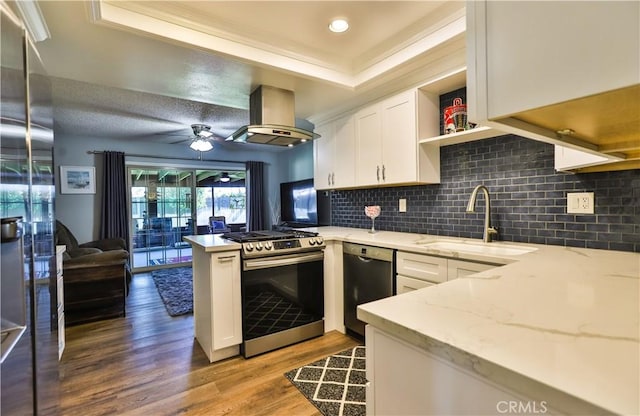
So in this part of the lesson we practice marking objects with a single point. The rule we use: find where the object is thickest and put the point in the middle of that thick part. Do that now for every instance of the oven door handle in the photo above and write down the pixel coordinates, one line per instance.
(287, 260)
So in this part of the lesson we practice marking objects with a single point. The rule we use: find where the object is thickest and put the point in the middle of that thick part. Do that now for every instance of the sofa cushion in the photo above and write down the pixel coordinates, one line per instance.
(78, 252)
(64, 236)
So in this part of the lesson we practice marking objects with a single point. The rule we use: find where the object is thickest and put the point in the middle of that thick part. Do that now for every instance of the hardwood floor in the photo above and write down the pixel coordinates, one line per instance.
(148, 363)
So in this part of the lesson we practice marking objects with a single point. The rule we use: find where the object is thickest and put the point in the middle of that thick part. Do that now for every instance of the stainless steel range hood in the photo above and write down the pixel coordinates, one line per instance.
(272, 119)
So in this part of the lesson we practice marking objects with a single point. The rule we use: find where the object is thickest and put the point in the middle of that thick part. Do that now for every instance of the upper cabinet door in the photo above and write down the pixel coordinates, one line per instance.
(399, 139)
(334, 155)
(323, 155)
(566, 73)
(540, 52)
(369, 146)
(344, 169)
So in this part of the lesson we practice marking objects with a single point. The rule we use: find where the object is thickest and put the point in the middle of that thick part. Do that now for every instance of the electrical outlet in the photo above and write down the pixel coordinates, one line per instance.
(402, 205)
(580, 203)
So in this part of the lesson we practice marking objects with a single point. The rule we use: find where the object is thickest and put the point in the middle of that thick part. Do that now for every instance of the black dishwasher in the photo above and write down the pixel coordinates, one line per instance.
(368, 275)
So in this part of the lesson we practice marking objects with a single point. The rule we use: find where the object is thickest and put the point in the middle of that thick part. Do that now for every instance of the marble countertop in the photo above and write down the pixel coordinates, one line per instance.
(563, 318)
(211, 243)
(419, 243)
(400, 241)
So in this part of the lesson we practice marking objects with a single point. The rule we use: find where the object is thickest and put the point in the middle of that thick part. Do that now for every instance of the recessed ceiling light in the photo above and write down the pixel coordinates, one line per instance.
(338, 25)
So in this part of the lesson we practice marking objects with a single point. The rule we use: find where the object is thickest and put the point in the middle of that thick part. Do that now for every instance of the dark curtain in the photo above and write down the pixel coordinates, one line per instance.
(255, 196)
(114, 200)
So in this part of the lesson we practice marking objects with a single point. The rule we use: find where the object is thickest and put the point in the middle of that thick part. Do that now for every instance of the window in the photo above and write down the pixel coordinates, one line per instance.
(221, 193)
(229, 201)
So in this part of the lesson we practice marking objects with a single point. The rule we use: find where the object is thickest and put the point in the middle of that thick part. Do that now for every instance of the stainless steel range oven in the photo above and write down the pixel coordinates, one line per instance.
(282, 288)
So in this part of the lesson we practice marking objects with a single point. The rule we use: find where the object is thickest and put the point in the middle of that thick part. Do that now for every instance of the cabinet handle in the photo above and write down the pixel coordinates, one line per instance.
(329, 179)
(384, 177)
(378, 173)
(333, 178)
(226, 259)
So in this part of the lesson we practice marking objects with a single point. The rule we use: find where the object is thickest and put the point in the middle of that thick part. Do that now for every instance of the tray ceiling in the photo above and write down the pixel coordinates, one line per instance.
(148, 70)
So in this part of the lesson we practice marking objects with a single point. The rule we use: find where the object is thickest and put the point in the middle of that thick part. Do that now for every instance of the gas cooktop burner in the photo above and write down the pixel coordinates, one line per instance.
(252, 236)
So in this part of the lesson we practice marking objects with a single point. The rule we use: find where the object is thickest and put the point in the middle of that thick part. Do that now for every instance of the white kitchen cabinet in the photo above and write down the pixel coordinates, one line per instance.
(406, 380)
(399, 160)
(566, 159)
(217, 302)
(415, 271)
(334, 154)
(323, 156)
(369, 146)
(462, 268)
(333, 287)
(538, 68)
(387, 144)
(422, 267)
(406, 284)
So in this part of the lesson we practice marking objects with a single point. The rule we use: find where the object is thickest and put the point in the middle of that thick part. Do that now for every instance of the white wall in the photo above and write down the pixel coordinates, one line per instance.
(81, 213)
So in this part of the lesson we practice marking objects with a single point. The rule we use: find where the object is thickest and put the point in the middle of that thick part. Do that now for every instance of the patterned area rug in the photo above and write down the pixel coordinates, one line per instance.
(335, 384)
(176, 289)
(171, 260)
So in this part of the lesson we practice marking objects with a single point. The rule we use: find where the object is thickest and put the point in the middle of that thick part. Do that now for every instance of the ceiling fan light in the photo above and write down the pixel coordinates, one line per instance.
(225, 177)
(339, 25)
(201, 145)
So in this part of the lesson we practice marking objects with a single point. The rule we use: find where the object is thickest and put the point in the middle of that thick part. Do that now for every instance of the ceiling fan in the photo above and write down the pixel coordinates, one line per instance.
(200, 141)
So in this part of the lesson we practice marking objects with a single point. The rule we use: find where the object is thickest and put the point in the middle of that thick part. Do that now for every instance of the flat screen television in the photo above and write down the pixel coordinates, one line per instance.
(298, 203)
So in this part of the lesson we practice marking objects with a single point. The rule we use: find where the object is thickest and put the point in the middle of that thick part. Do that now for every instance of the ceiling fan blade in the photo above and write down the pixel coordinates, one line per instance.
(182, 141)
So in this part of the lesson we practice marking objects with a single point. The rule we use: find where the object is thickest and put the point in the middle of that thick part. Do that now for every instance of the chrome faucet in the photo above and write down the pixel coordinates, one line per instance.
(489, 231)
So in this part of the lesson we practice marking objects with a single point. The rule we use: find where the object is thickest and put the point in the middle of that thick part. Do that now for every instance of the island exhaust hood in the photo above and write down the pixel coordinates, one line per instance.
(272, 119)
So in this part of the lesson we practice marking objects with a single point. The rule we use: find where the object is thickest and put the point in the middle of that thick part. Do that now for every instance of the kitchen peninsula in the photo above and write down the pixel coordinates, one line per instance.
(217, 314)
(553, 324)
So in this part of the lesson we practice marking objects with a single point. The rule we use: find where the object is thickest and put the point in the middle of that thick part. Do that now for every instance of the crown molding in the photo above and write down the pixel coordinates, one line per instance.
(33, 20)
(196, 35)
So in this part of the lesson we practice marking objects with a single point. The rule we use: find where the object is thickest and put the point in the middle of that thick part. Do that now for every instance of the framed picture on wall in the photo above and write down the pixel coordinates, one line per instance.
(77, 180)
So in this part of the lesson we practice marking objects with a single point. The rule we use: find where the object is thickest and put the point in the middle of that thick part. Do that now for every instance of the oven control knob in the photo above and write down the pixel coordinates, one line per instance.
(259, 246)
(268, 245)
(249, 247)
(319, 241)
(312, 241)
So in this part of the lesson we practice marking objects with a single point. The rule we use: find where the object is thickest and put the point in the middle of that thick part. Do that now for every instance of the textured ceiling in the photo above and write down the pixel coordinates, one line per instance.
(148, 70)
(122, 114)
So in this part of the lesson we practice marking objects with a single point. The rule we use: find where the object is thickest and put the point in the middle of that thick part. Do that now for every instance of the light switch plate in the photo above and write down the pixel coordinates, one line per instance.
(402, 205)
(580, 203)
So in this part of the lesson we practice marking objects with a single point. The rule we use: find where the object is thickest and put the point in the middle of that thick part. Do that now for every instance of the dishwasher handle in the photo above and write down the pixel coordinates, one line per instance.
(365, 259)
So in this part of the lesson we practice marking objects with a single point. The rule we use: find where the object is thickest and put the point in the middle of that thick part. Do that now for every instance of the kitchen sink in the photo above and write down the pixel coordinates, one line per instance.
(480, 248)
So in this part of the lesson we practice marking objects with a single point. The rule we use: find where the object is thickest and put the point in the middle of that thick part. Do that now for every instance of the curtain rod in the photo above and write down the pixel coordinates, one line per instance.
(200, 159)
